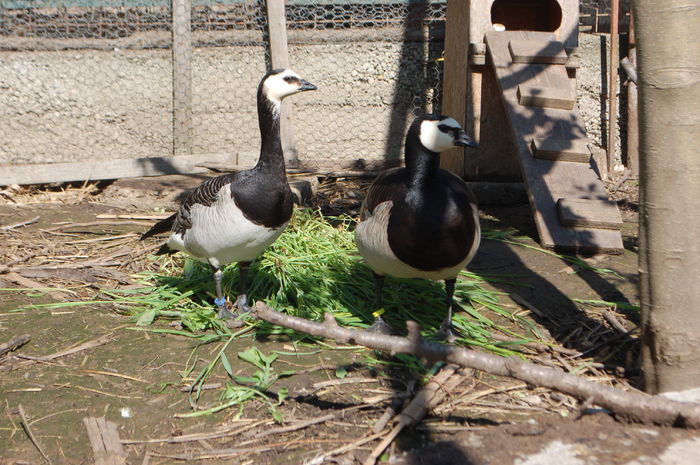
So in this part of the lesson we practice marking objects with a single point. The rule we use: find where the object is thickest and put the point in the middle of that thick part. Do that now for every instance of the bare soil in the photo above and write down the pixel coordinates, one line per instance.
(138, 380)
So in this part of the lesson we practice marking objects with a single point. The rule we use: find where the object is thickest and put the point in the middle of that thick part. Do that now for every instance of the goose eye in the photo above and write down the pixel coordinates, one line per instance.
(289, 79)
(444, 128)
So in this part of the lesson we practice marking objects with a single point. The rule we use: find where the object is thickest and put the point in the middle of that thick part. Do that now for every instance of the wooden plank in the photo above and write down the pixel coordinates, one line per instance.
(546, 181)
(182, 77)
(535, 51)
(613, 65)
(589, 213)
(549, 97)
(454, 96)
(107, 169)
(548, 148)
(104, 439)
(279, 57)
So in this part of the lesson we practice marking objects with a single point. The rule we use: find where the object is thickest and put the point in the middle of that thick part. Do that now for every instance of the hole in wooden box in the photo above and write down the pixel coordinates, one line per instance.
(527, 15)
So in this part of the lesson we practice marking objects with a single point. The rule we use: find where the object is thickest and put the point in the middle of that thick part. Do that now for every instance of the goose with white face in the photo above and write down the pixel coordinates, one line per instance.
(284, 83)
(444, 134)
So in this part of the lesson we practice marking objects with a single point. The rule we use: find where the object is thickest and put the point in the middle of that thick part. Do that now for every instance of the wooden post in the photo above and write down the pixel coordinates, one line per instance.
(279, 56)
(454, 95)
(632, 110)
(182, 77)
(612, 85)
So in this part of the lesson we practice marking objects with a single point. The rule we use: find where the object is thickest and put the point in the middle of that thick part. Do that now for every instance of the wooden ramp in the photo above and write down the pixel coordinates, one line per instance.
(569, 202)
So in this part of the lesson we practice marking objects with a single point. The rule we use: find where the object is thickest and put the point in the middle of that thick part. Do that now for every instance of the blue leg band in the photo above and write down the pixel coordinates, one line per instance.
(220, 302)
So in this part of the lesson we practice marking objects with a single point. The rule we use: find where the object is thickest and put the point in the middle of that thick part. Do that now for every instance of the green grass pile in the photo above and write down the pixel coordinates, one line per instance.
(313, 268)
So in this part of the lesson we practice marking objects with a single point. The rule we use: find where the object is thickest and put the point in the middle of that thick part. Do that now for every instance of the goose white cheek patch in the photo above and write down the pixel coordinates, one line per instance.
(433, 138)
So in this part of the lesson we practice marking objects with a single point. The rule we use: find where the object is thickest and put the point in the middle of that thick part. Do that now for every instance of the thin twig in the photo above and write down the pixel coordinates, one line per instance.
(346, 448)
(84, 346)
(109, 216)
(627, 404)
(229, 430)
(28, 430)
(614, 322)
(19, 225)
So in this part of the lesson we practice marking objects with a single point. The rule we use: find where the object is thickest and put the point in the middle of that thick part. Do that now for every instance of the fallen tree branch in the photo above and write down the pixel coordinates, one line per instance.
(632, 406)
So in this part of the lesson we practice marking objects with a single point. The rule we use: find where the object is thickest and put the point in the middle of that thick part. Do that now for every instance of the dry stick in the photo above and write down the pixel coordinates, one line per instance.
(31, 284)
(346, 448)
(69, 225)
(230, 430)
(25, 426)
(108, 216)
(428, 397)
(630, 405)
(14, 343)
(8, 266)
(614, 322)
(19, 225)
(536, 346)
(84, 346)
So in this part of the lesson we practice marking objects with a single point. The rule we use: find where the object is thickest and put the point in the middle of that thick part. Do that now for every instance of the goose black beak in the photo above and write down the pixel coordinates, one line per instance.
(463, 140)
(306, 85)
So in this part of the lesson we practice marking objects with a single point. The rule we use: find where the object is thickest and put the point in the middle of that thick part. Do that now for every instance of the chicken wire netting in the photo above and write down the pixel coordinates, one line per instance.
(93, 79)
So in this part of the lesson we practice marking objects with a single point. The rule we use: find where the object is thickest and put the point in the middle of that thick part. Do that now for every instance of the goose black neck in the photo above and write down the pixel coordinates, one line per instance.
(271, 155)
(422, 164)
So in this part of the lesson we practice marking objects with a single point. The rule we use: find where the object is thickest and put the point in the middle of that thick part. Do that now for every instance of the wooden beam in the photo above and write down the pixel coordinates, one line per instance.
(43, 173)
(182, 77)
(531, 51)
(568, 149)
(589, 213)
(279, 57)
(454, 96)
(612, 83)
(546, 97)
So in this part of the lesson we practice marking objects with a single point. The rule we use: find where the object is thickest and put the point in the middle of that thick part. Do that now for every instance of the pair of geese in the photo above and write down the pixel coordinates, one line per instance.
(416, 222)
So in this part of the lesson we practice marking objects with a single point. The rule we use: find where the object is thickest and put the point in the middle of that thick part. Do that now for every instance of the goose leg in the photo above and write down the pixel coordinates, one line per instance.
(242, 300)
(447, 332)
(379, 325)
(220, 300)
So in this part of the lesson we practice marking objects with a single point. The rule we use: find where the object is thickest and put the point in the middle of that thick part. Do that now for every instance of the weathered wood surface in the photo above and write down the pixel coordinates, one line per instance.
(104, 440)
(182, 77)
(279, 58)
(531, 51)
(547, 181)
(546, 97)
(454, 96)
(41, 173)
(549, 148)
(589, 213)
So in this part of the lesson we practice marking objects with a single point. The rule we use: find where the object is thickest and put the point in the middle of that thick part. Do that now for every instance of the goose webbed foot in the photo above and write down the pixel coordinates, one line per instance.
(447, 332)
(232, 314)
(381, 327)
(242, 305)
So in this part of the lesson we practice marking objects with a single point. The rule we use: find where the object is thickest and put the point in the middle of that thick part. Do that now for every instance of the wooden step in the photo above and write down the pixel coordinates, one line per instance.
(556, 177)
(534, 95)
(537, 51)
(589, 213)
(551, 148)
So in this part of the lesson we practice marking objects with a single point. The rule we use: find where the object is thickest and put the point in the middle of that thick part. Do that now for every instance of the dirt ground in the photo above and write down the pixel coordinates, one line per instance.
(92, 362)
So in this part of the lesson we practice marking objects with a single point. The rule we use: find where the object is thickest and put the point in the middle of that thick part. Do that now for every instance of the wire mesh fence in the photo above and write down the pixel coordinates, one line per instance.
(98, 79)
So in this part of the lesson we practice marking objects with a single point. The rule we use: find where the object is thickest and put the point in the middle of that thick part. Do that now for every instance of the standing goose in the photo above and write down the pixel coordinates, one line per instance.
(420, 221)
(234, 217)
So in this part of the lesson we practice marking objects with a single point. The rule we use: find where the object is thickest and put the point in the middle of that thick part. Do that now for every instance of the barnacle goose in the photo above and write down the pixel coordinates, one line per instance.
(420, 221)
(234, 217)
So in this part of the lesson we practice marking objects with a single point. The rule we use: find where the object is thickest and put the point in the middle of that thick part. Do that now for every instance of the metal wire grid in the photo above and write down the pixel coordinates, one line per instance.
(83, 79)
